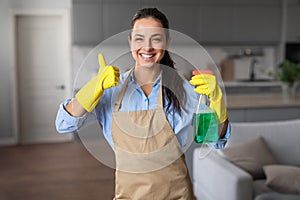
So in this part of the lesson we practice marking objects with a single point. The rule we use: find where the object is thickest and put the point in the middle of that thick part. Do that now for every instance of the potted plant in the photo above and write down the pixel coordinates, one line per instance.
(289, 74)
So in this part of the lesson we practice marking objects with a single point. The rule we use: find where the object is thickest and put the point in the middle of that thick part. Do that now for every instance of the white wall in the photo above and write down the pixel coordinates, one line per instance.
(7, 54)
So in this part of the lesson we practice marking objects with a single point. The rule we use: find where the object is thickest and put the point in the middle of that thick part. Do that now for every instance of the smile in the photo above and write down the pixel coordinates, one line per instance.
(147, 55)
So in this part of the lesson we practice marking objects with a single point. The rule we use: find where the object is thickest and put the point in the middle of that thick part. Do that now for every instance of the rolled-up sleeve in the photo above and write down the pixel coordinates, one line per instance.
(65, 123)
(220, 144)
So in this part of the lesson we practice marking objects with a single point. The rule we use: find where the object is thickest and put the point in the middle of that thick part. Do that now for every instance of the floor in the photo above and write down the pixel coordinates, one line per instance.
(53, 171)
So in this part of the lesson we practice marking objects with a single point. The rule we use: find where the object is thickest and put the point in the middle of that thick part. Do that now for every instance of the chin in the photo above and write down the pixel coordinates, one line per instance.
(148, 65)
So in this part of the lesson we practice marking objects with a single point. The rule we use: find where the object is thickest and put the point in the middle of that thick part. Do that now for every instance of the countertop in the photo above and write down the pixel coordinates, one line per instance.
(252, 84)
(261, 100)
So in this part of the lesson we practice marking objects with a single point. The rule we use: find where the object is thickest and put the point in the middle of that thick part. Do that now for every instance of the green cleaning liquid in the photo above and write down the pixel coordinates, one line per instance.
(206, 126)
(205, 119)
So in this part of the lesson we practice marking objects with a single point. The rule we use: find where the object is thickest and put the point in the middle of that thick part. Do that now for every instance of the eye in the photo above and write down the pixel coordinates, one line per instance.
(138, 39)
(156, 39)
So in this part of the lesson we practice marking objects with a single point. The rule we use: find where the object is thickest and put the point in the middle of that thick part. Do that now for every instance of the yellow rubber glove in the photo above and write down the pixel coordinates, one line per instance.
(89, 95)
(206, 83)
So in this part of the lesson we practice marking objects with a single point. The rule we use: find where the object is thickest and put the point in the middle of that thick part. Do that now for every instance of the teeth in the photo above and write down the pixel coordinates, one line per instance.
(147, 55)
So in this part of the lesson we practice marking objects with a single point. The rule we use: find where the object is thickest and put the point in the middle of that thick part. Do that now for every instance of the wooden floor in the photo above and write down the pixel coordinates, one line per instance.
(53, 172)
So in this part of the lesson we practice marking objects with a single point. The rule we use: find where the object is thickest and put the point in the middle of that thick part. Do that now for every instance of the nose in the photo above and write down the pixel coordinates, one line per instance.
(148, 45)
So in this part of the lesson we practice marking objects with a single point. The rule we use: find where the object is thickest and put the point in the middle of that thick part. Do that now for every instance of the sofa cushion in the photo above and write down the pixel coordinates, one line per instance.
(283, 178)
(251, 156)
(282, 137)
(277, 196)
(260, 187)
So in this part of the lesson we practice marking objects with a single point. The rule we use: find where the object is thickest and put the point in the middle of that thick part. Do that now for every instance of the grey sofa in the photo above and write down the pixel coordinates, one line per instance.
(215, 178)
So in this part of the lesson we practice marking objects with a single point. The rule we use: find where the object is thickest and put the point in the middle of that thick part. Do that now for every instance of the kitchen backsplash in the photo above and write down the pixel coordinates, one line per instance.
(263, 64)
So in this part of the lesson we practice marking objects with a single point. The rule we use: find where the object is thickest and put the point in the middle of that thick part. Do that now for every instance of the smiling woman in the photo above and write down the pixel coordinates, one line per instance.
(145, 114)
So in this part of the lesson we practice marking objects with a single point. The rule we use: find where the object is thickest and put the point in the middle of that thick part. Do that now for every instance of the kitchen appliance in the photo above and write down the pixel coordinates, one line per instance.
(292, 52)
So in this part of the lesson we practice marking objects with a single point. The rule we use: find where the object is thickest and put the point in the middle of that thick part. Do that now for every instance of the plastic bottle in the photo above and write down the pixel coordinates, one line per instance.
(205, 120)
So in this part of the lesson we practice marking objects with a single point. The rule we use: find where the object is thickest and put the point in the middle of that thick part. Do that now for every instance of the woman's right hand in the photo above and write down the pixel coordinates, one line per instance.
(89, 95)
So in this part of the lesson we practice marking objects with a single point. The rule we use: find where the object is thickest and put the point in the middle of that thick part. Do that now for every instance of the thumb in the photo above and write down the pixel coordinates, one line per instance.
(101, 61)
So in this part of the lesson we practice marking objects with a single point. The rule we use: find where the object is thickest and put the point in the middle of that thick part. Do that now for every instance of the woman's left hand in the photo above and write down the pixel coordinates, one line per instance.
(206, 83)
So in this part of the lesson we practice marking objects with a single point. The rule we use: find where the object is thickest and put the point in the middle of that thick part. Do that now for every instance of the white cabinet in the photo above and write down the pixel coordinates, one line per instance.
(293, 21)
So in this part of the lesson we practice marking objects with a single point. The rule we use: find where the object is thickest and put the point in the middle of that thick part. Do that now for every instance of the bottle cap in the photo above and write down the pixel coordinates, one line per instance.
(196, 72)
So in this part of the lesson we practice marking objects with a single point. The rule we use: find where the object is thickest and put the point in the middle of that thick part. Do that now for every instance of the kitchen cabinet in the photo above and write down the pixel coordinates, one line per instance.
(292, 21)
(182, 18)
(96, 20)
(87, 26)
(257, 24)
(240, 24)
(263, 106)
(263, 114)
(117, 16)
(207, 21)
(215, 24)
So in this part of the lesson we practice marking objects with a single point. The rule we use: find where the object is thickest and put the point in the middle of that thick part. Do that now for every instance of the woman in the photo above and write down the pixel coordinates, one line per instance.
(148, 114)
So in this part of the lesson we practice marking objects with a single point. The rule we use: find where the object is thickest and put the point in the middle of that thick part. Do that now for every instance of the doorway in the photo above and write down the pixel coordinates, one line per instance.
(42, 74)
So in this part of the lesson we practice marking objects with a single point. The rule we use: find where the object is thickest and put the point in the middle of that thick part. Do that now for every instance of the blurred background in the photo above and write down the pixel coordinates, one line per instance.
(43, 43)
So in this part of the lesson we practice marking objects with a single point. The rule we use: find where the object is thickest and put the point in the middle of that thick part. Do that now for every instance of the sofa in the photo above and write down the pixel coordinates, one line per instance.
(216, 177)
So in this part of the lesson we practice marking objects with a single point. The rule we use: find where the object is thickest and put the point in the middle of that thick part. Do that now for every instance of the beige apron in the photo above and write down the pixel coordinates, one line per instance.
(149, 161)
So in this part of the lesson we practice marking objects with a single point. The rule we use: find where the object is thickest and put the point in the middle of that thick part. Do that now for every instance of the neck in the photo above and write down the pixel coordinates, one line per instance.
(146, 75)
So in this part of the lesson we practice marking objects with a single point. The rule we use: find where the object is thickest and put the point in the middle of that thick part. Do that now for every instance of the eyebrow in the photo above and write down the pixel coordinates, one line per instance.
(157, 34)
(154, 35)
(139, 35)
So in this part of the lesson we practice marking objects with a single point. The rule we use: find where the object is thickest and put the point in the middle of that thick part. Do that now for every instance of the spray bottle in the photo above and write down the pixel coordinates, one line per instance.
(205, 119)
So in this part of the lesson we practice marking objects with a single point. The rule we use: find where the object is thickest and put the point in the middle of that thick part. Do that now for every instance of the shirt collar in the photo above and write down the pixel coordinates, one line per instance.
(132, 80)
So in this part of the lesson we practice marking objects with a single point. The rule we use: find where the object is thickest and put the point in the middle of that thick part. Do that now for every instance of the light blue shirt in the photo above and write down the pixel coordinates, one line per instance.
(134, 99)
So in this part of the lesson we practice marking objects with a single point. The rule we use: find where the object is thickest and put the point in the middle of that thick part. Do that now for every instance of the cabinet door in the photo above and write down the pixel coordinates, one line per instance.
(117, 16)
(87, 23)
(181, 18)
(272, 114)
(257, 24)
(236, 115)
(293, 21)
(215, 24)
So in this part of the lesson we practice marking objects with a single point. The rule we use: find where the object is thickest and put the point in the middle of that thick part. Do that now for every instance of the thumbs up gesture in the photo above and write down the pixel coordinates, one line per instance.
(89, 95)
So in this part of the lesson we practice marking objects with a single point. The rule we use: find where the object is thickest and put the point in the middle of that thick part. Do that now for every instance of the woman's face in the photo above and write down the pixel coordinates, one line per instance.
(147, 42)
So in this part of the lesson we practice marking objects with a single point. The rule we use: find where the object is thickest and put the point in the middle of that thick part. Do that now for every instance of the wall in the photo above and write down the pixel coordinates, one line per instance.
(5, 65)
(7, 55)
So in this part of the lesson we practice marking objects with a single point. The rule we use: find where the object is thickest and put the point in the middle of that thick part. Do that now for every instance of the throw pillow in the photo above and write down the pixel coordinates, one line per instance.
(283, 178)
(250, 156)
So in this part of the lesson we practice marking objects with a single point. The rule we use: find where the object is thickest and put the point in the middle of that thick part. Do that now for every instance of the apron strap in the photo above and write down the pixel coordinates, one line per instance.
(160, 99)
(122, 92)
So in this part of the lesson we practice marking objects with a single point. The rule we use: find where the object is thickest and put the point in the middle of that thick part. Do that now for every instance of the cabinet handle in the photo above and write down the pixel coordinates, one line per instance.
(60, 87)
